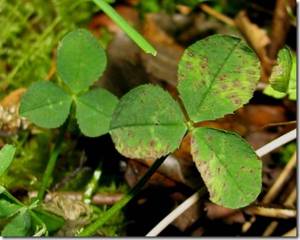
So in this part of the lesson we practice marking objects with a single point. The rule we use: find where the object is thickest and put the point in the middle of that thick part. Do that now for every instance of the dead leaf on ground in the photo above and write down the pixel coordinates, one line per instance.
(229, 216)
(13, 98)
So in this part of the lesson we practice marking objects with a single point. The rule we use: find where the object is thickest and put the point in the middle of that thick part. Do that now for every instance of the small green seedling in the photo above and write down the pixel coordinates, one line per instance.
(80, 62)
(217, 75)
(23, 220)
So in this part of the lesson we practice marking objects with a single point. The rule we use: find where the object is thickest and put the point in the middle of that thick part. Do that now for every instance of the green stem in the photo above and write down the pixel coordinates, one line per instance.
(52, 161)
(93, 227)
(122, 23)
(92, 185)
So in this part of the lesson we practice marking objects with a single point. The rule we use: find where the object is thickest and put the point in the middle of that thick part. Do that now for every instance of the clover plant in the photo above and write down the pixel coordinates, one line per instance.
(217, 75)
(80, 62)
(23, 220)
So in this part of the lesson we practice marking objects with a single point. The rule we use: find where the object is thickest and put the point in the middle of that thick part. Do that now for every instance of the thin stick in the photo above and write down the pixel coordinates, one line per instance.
(194, 198)
(287, 203)
(281, 180)
(221, 17)
(274, 190)
(176, 213)
(270, 229)
(97, 199)
(272, 212)
(277, 143)
(92, 228)
(291, 233)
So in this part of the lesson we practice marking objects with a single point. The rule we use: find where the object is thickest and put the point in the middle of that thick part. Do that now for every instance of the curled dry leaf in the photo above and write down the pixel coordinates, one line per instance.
(258, 39)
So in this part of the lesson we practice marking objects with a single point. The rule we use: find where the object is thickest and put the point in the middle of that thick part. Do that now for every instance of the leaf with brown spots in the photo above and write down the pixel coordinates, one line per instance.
(228, 165)
(281, 72)
(147, 123)
(212, 73)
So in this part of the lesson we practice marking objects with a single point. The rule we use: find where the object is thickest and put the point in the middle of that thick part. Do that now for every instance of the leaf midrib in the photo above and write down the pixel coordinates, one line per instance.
(216, 74)
(225, 167)
(149, 125)
(94, 109)
(45, 105)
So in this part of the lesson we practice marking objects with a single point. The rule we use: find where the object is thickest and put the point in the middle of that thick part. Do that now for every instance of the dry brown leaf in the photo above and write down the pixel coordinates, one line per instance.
(13, 98)
(258, 39)
(229, 216)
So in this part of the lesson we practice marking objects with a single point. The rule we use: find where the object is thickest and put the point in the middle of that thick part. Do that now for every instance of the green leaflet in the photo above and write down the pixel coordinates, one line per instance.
(94, 112)
(281, 72)
(7, 208)
(217, 75)
(80, 60)
(52, 221)
(228, 165)
(45, 104)
(6, 156)
(19, 226)
(147, 123)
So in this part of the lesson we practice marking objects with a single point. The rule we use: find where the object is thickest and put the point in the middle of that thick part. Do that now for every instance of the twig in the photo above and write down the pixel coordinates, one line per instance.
(280, 124)
(287, 203)
(280, 181)
(274, 190)
(176, 213)
(195, 197)
(270, 229)
(280, 27)
(97, 199)
(277, 143)
(291, 233)
(272, 212)
(221, 17)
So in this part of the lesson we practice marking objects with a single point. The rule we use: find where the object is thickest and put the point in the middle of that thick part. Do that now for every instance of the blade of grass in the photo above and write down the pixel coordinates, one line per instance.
(122, 23)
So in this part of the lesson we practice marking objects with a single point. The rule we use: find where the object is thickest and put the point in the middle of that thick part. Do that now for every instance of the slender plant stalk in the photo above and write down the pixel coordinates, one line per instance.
(92, 185)
(176, 212)
(91, 229)
(122, 23)
(52, 161)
